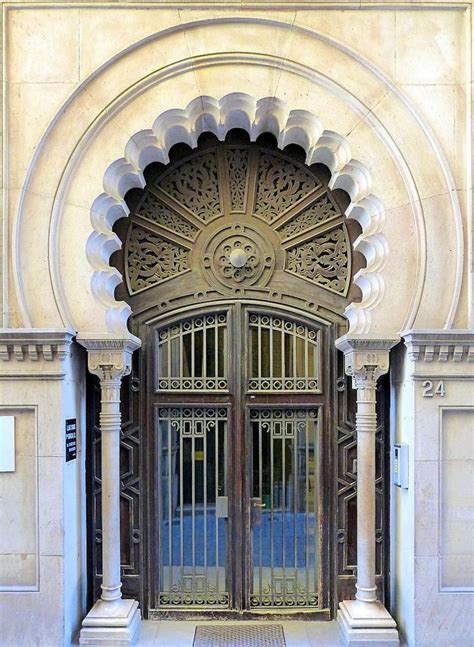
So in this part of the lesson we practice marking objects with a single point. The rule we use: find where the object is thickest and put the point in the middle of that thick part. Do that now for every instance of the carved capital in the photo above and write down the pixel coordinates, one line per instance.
(109, 358)
(365, 359)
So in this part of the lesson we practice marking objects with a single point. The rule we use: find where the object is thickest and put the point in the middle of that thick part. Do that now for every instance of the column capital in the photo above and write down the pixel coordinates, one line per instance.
(108, 357)
(366, 358)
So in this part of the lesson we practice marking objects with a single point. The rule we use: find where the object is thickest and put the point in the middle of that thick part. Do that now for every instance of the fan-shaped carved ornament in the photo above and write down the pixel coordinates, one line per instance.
(238, 216)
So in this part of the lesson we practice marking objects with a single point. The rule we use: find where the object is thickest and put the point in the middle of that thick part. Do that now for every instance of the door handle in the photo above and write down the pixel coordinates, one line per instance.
(256, 506)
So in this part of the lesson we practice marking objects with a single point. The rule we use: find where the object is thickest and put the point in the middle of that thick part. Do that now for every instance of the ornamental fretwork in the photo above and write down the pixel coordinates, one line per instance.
(238, 217)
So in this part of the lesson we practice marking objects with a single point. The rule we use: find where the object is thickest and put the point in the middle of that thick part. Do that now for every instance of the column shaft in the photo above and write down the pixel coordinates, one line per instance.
(366, 425)
(110, 436)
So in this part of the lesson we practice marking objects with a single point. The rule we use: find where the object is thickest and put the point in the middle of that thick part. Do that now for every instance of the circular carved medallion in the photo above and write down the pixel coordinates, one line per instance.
(238, 256)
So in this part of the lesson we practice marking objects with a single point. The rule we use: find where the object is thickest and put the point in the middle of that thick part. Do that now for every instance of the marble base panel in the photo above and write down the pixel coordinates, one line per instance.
(115, 624)
(367, 624)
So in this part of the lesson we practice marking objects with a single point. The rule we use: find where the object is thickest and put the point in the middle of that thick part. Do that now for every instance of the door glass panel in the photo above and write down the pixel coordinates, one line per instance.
(192, 468)
(284, 508)
(283, 355)
(192, 355)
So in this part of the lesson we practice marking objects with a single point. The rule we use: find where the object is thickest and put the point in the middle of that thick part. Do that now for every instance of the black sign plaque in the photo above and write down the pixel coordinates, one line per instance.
(71, 439)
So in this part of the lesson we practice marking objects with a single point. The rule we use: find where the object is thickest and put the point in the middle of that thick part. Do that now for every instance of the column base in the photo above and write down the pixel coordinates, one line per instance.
(367, 624)
(115, 624)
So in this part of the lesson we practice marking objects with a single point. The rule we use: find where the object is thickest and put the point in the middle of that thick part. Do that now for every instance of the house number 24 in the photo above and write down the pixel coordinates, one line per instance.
(429, 390)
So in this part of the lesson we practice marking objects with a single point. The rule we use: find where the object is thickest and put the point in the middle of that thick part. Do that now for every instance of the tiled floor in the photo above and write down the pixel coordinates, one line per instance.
(167, 633)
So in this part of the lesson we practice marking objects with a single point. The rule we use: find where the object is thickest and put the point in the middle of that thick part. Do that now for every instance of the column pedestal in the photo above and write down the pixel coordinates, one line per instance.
(111, 623)
(367, 623)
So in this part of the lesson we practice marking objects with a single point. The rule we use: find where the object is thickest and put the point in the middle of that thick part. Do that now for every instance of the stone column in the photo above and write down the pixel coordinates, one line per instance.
(365, 619)
(112, 620)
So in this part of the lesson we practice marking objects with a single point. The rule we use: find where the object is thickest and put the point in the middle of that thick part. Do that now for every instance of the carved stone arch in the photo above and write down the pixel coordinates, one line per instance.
(238, 110)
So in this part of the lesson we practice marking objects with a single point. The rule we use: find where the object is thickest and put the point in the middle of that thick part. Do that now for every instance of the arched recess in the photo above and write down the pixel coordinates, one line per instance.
(206, 200)
(268, 115)
(351, 96)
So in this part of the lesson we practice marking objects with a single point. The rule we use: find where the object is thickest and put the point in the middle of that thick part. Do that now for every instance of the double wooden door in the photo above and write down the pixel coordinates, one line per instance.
(239, 408)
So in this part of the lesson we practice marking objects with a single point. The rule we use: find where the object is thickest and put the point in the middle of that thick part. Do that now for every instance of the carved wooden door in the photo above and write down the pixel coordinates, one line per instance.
(246, 249)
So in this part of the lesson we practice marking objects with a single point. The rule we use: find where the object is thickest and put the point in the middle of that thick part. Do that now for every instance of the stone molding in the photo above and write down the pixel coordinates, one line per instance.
(238, 110)
(109, 358)
(365, 358)
(439, 345)
(33, 344)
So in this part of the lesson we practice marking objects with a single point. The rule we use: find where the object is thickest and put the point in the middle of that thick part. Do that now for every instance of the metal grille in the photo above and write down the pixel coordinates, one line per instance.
(286, 544)
(192, 355)
(193, 506)
(239, 636)
(283, 355)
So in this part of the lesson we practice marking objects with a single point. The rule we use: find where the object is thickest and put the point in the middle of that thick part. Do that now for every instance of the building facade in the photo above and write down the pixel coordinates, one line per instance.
(238, 341)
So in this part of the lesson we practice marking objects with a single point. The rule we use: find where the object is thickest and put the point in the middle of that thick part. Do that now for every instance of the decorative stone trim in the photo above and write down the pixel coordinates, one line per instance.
(238, 110)
(31, 343)
(365, 359)
(439, 345)
(109, 357)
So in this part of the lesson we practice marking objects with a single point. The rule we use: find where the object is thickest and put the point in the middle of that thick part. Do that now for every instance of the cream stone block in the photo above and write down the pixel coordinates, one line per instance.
(44, 45)
(457, 433)
(249, 33)
(445, 109)
(19, 505)
(457, 507)
(370, 34)
(351, 78)
(27, 125)
(441, 239)
(18, 572)
(400, 231)
(51, 503)
(452, 611)
(36, 618)
(75, 119)
(162, 55)
(32, 272)
(426, 507)
(238, 77)
(334, 113)
(457, 572)
(119, 29)
(366, 141)
(431, 47)
(75, 272)
(414, 144)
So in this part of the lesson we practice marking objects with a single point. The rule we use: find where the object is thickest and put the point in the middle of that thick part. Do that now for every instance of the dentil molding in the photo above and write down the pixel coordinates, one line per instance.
(439, 345)
(33, 344)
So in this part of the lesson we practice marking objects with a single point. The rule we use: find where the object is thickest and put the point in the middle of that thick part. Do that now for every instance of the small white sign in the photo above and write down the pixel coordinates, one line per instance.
(7, 443)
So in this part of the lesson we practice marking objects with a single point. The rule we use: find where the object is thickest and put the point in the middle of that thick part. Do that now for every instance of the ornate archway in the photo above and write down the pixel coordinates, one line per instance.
(237, 224)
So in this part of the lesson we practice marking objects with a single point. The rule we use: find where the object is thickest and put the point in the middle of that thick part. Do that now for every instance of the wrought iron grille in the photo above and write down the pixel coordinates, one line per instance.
(284, 355)
(192, 355)
(285, 539)
(192, 468)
